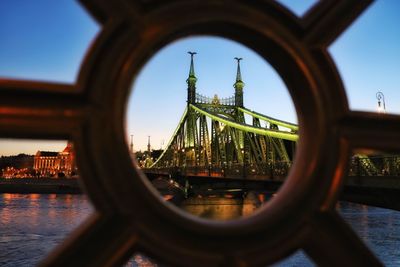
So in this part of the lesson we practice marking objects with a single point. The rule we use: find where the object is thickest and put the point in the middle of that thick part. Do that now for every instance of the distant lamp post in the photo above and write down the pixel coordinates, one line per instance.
(381, 102)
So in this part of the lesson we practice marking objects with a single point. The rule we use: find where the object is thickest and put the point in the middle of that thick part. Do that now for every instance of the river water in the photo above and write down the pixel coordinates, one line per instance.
(32, 224)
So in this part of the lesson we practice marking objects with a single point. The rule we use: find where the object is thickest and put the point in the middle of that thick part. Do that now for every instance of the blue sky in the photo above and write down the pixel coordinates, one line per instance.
(46, 40)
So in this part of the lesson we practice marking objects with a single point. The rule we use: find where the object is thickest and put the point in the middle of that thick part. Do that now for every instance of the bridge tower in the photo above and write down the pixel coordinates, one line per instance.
(239, 84)
(191, 81)
(191, 126)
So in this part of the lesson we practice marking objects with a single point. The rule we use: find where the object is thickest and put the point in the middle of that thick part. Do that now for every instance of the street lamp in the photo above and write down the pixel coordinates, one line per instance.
(381, 106)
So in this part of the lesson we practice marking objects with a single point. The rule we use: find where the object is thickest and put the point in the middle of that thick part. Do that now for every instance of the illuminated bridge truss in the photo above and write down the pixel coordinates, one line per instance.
(214, 134)
(222, 135)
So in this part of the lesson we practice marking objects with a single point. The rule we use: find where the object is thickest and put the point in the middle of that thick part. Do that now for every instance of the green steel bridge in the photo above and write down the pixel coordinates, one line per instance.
(220, 142)
(220, 137)
(213, 133)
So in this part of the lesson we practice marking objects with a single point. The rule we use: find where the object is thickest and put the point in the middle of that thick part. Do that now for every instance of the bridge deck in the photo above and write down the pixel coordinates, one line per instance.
(381, 190)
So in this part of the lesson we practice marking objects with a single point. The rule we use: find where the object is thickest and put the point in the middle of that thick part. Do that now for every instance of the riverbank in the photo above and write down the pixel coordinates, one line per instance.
(40, 186)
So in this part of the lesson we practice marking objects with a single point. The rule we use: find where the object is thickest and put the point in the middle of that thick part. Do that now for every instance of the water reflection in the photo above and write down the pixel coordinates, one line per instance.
(225, 206)
(33, 224)
(222, 201)
(379, 228)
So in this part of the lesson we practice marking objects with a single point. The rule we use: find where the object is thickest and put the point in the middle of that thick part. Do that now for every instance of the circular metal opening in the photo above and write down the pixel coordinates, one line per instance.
(214, 154)
(308, 187)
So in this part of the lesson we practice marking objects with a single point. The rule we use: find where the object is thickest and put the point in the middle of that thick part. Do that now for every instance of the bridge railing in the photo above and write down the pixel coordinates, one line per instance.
(228, 101)
(358, 166)
(277, 170)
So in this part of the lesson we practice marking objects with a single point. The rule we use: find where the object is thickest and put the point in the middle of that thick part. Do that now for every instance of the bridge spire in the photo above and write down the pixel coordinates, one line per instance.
(191, 81)
(131, 144)
(238, 85)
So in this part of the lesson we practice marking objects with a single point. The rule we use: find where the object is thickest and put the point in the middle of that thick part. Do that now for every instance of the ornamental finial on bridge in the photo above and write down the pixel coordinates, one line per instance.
(238, 73)
(191, 72)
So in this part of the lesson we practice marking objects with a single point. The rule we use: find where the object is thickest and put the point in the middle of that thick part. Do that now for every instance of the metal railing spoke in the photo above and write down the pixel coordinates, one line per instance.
(371, 130)
(101, 241)
(332, 242)
(39, 109)
(325, 21)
